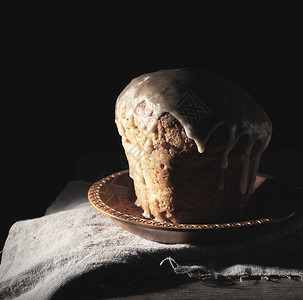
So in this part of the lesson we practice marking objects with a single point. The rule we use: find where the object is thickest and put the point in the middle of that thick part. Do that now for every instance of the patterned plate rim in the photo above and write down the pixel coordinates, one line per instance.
(96, 201)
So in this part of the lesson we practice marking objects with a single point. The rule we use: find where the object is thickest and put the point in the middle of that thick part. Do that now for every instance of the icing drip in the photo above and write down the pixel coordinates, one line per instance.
(245, 167)
(202, 102)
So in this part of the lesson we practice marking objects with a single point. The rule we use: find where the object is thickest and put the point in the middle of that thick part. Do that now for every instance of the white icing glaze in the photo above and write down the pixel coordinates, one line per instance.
(224, 103)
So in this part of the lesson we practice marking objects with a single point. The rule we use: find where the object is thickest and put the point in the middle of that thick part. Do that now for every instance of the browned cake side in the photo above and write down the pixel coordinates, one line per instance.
(174, 182)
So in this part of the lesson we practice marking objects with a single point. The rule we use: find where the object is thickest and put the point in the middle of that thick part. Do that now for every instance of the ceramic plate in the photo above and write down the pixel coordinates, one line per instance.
(273, 204)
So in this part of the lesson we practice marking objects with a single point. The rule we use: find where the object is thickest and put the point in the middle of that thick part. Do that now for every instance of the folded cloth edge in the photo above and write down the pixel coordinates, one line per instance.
(238, 271)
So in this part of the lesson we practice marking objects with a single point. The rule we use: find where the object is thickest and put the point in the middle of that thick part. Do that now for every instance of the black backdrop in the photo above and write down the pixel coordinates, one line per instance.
(63, 65)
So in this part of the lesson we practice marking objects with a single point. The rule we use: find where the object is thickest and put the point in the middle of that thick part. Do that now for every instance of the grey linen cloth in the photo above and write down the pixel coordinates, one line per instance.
(74, 248)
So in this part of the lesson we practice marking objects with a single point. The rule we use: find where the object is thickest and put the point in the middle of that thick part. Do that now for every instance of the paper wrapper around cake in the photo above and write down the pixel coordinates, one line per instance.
(176, 178)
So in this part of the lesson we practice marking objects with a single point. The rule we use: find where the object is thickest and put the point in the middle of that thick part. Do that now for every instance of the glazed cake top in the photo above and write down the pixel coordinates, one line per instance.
(201, 101)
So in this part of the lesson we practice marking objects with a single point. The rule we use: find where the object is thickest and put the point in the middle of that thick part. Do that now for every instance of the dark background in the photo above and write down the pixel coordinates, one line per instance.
(63, 66)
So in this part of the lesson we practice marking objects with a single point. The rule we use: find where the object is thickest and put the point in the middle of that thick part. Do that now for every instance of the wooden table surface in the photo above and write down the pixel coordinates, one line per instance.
(193, 289)
(283, 163)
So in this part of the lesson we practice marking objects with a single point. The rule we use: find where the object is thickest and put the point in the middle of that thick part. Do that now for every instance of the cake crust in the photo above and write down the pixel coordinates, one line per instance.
(174, 182)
